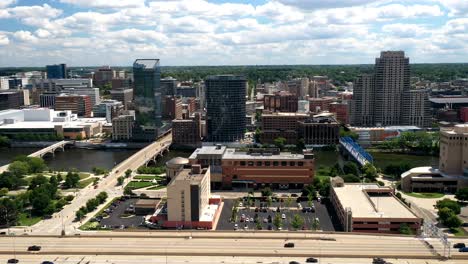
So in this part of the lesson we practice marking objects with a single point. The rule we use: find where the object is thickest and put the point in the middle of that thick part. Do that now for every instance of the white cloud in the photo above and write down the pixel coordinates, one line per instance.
(106, 3)
(456, 7)
(25, 36)
(404, 30)
(5, 3)
(4, 40)
(318, 4)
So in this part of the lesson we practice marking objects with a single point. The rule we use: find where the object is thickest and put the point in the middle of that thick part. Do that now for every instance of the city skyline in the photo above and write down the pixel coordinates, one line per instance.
(230, 32)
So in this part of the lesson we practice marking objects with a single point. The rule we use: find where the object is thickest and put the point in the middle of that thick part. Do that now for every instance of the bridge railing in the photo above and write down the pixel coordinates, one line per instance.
(356, 150)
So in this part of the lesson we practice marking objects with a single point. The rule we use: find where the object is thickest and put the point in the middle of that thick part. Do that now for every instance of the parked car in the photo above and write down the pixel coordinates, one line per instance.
(293, 262)
(283, 216)
(265, 220)
(319, 199)
(465, 249)
(294, 195)
(289, 245)
(236, 227)
(241, 205)
(311, 260)
(378, 261)
(459, 245)
(47, 262)
(304, 210)
(251, 219)
(270, 227)
(12, 261)
(34, 248)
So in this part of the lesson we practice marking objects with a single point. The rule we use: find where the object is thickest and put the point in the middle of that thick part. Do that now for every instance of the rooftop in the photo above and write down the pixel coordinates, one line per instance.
(449, 100)
(189, 175)
(146, 63)
(360, 199)
(208, 150)
(233, 154)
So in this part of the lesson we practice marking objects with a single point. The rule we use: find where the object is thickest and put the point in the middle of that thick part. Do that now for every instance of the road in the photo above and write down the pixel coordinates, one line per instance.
(226, 244)
(65, 218)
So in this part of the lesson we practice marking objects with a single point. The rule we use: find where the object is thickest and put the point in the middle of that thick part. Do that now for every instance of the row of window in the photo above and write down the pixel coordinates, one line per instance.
(270, 163)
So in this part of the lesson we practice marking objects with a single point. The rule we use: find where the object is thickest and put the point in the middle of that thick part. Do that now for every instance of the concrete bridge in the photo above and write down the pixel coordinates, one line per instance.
(355, 151)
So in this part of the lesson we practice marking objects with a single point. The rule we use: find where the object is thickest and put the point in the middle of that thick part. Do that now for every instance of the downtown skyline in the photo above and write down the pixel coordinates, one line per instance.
(230, 32)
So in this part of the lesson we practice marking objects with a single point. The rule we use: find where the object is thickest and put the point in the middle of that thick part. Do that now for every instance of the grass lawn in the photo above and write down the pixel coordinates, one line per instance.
(137, 185)
(425, 195)
(157, 187)
(84, 183)
(147, 177)
(458, 232)
(24, 220)
(84, 175)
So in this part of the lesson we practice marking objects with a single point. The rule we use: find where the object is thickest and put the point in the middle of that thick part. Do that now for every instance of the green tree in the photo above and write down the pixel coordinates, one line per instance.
(120, 180)
(350, 178)
(280, 142)
(257, 135)
(277, 221)
(37, 165)
(369, 171)
(444, 214)
(266, 192)
(344, 132)
(351, 168)
(315, 224)
(462, 194)
(59, 177)
(453, 222)
(79, 137)
(452, 205)
(39, 201)
(101, 197)
(80, 214)
(53, 181)
(297, 221)
(300, 145)
(4, 141)
(71, 180)
(8, 212)
(37, 181)
(128, 191)
(128, 173)
(405, 229)
(19, 168)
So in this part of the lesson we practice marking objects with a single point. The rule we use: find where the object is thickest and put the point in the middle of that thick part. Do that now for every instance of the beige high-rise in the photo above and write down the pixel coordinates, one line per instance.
(453, 159)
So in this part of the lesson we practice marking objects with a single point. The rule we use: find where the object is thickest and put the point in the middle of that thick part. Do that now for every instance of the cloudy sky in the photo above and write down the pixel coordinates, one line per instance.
(230, 32)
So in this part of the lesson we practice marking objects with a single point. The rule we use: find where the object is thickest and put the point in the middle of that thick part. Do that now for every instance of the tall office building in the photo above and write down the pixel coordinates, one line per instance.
(225, 107)
(57, 71)
(147, 98)
(385, 98)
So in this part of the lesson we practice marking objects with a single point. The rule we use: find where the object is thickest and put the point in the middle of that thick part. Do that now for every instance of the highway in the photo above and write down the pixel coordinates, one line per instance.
(64, 219)
(226, 244)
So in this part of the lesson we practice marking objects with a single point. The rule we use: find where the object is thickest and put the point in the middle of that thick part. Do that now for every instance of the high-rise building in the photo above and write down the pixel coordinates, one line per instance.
(225, 104)
(122, 126)
(173, 107)
(385, 98)
(416, 109)
(57, 71)
(124, 95)
(147, 99)
(187, 132)
(103, 76)
(93, 93)
(321, 129)
(47, 100)
(283, 125)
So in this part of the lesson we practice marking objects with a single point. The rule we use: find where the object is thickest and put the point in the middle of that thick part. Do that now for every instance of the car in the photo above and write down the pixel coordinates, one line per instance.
(256, 209)
(236, 227)
(280, 228)
(465, 249)
(289, 245)
(265, 220)
(294, 195)
(2, 233)
(243, 215)
(293, 262)
(34, 248)
(299, 205)
(378, 261)
(311, 260)
(246, 227)
(12, 261)
(304, 210)
(247, 219)
(278, 210)
(319, 199)
(283, 216)
(47, 262)
(459, 245)
(240, 204)
(251, 219)
(465, 224)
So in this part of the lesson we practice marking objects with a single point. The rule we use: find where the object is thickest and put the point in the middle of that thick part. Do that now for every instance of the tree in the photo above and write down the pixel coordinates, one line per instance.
(4, 141)
(128, 191)
(79, 137)
(280, 142)
(257, 135)
(351, 168)
(369, 171)
(350, 178)
(300, 145)
(315, 224)
(59, 177)
(80, 214)
(39, 201)
(53, 181)
(444, 214)
(101, 197)
(277, 221)
(120, 180)
(405, 229)
(344, 132)
(452, 222)
(325, 189)
(37, 181)
(36, 165)
(71, 180)
(462, 194)
(297, 222)
(19, 168)
(128, 173)
(452, 205)
(8, 212)
(266, 192)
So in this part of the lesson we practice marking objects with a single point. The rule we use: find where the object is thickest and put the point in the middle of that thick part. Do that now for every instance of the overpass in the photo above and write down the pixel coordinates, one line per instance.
(356, 151)
(42, 152)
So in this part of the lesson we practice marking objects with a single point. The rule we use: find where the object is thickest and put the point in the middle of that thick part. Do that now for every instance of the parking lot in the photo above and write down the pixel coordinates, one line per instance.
(120, 216)
(320, 212)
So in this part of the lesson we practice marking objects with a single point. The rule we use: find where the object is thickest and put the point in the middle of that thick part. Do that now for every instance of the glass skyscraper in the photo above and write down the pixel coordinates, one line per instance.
(58, 71)
(225, 107)
(147, 99)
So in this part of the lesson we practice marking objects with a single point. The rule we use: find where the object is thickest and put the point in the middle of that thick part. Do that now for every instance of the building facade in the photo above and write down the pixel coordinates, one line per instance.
(78, 104)
(363, 101)
(122, 127)
(124, 95)
(187, 132)
(108, 109)
(416, 109)
(225, 107)
(285, 125)
(319, 130)
(280, 102)
(12, 99)
(317, 105)
(57, 71)
(172, 107)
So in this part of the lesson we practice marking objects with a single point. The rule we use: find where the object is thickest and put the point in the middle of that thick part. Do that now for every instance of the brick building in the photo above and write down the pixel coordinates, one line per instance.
(319, 130)
(317, 105)
(280, 102)
(78, 104)
(281, 125)
(341, 111)
(172, 107)
(187, 132)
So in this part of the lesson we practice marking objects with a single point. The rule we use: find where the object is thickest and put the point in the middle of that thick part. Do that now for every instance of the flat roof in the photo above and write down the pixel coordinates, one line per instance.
(233, 154)
(188, 175)
(146, 63)
(363, 205)
(50, 125)
(208, 150)
(449, 100)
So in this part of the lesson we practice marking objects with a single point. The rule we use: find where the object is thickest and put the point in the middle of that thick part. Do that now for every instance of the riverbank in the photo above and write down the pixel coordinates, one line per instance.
(80, 144)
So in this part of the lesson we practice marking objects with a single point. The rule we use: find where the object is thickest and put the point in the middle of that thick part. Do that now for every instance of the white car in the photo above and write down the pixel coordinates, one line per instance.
(236, 227)
(265, 220)
(240, 205)
(283, 216)
(247, 219)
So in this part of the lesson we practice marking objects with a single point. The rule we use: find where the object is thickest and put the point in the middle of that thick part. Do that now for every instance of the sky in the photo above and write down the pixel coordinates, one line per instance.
(230, 32)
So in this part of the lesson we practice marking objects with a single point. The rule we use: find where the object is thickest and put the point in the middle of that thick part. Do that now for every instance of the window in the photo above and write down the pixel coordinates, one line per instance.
(250, 163)
(284, 163)
(259, 163)
(267, 163)
(242, 163)
(292, 163)
(300, 163)
(275, 163)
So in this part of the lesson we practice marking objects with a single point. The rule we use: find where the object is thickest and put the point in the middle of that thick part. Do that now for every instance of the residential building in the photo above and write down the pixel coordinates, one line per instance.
(255, 168)
(108, 109)
(187, 132)
(285, 125)
(124, 95)
(57, 71)
(370, 208)
(172, 107)
(416, 109)
(44, 121)
(78, 104)
(147, 99)
(322, 129)
(13, 99)
(225, 107)
(280, 102)
(317, 105)
(122, 126)
(363, 101)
